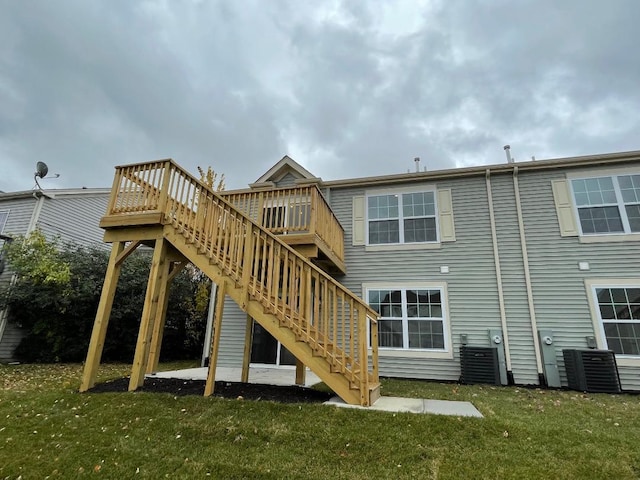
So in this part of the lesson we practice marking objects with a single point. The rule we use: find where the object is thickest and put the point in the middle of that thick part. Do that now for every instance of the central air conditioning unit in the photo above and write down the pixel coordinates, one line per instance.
(479, 365)
(592, 371)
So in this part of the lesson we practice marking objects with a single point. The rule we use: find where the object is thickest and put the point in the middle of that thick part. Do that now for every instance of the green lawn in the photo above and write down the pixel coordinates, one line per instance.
(48, 430)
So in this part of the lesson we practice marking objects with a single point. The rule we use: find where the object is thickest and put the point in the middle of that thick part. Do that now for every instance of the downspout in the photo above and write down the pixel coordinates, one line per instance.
(527, 279)
(496, 258)
(33, 223)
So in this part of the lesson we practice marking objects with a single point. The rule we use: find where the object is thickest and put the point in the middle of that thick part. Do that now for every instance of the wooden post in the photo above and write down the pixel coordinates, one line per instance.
(373, 324)
(364, 356)
(159, 316)
(301, 373)
(157, 277)
(164, 188)
(96, 344)
(215, 344)
(248, 342)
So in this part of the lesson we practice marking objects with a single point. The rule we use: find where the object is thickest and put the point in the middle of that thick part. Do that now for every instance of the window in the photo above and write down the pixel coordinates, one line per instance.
(402, 218)
(608, 205)
(619, 314)
(410, 318)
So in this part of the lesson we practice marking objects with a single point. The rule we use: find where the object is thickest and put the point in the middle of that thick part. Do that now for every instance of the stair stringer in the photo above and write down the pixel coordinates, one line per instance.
(320, 365)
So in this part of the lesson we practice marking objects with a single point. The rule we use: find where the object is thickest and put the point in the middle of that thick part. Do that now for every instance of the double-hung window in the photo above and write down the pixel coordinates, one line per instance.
(402, 218)
(410, 318)
(618, 310)
(608, 205)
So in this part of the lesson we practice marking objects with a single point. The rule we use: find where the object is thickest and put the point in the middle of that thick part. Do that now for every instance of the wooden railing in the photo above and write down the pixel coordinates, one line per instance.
(291, 211)
(332, 320)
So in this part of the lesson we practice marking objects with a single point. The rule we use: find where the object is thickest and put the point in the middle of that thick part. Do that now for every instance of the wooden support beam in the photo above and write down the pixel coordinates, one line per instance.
(132, 247)
(246, 357)
(215, 344)
(96, 343)
(159, 316)
(157, 276)
(176, 268)
(301, 373)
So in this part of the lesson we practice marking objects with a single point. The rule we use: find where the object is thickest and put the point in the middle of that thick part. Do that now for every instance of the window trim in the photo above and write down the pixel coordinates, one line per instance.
(583, 174)
(427, 188)
(598, 326)
(447, 352)
(620, 205)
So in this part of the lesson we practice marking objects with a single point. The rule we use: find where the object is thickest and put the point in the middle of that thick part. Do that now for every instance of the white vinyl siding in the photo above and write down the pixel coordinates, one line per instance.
(607, 204)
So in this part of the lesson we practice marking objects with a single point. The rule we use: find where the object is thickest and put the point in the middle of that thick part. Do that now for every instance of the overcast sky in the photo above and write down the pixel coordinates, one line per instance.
(346, 88)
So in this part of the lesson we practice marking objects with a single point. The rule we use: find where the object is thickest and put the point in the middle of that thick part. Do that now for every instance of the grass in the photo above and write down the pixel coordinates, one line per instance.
(48, 430)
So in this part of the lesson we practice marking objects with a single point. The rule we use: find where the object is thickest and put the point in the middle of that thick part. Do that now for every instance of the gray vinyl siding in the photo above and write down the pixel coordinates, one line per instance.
(289, 180)
(234, 322)
(20, 212)
(471, 284)
(75, 218)
(521, 347)
(559, 290)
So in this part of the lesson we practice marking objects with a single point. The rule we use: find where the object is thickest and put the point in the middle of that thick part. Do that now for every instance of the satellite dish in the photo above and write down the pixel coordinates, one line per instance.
(41, 169)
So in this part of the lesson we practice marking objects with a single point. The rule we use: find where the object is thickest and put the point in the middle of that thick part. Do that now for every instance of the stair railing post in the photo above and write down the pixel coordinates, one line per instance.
(373, 325)
(164, 189)
(364, 355)
(247, 263)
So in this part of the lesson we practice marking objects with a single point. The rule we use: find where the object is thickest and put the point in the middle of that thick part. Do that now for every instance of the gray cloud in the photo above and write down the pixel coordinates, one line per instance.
(346, 88)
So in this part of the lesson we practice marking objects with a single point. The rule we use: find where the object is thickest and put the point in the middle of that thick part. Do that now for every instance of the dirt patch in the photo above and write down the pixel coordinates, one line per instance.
(233, 390)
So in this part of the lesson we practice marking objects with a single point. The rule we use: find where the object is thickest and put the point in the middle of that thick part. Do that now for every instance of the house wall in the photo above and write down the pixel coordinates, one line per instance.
(471, 284)
(289, 180)
(75, 218)
(559, 295)
(520, 335)
(559, 289)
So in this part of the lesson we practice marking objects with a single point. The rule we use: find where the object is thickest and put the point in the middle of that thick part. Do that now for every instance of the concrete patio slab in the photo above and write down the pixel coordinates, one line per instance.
(265, 375)
(286, 376)
(415, 405)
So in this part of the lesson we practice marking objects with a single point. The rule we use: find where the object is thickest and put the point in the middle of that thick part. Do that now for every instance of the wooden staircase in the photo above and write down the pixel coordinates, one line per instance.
(323, 324)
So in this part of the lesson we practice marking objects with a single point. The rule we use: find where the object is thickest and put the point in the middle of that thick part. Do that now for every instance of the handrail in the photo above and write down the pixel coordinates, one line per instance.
(290, 211)
(332, 320)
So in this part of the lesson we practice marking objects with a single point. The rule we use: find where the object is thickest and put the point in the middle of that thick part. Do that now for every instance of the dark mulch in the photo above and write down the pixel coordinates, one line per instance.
(248, 391)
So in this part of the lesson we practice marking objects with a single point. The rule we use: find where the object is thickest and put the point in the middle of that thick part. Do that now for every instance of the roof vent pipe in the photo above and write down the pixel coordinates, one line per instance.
(507, 150)
(417, 160)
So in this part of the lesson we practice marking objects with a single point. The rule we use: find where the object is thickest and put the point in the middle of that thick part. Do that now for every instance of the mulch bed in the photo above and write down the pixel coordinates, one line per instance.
(233, 390)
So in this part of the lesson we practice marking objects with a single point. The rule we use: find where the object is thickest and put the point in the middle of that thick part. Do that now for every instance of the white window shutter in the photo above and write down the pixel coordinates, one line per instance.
(564, 208)
(445, 216)
(358, 221)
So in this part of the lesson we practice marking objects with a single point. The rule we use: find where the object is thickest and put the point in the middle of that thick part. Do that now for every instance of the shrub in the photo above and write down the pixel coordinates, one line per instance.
(57, 315)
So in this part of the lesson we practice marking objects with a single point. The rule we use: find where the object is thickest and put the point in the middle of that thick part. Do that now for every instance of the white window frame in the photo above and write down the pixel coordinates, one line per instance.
(620, 204)
(447, 351)
(399, 192)
(591, 286)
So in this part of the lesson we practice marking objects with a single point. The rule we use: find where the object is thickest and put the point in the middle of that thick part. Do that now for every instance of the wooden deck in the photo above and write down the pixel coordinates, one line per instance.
(316, 318)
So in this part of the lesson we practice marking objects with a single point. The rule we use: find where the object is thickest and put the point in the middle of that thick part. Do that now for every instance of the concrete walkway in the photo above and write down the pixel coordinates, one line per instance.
(286, 376)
